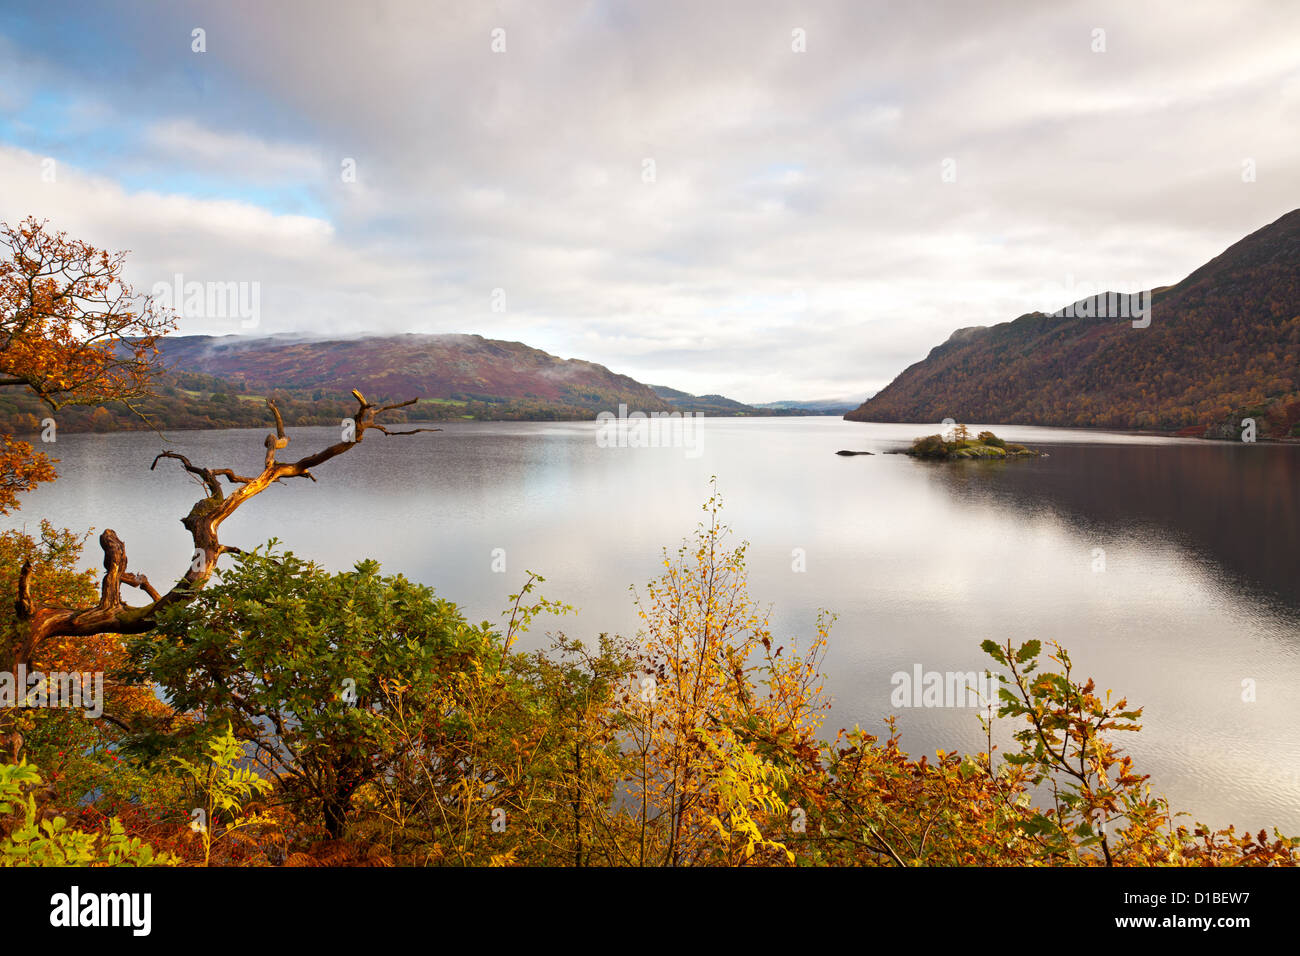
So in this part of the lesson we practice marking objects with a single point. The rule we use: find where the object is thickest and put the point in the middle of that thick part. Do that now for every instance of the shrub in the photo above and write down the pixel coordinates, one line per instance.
(34, 840)
(297, 660)
(931, 446)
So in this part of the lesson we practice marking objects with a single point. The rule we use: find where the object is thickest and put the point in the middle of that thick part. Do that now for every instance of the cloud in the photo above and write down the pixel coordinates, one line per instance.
(251, 159)
(667, 189)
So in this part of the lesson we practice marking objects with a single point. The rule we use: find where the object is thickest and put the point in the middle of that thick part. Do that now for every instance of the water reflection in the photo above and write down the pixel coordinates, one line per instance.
(920, 561)
(1236, 506)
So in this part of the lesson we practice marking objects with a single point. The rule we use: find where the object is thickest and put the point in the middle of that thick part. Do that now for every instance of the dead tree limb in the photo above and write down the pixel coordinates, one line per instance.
(111, 614)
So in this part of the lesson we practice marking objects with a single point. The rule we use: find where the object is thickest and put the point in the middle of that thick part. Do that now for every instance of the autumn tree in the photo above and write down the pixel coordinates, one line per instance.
(54, 578)
(501, 757)
(72, 332)
(1068, 795)
(716, 690)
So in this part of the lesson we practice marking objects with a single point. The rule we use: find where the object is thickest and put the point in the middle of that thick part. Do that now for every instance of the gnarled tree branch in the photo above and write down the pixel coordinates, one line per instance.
(112, 615)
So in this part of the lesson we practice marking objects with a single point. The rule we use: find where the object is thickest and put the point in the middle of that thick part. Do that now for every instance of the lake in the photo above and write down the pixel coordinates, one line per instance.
(1167, 567)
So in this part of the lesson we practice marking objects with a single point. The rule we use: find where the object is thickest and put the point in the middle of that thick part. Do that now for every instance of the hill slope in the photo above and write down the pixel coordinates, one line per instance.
(708, 404)
(222, 382)
(446, 367)
(1222, 343)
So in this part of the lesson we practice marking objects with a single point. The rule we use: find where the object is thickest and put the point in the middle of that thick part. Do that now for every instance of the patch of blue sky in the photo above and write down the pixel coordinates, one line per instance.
(65, 129)
(47, 116)
(281, 200)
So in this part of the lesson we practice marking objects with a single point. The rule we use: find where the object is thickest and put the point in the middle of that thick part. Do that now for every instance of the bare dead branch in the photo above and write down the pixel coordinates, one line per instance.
(111, 614)
(279, 440)
(141, 582)
(413, 431)
(231, 476)
(204, 474)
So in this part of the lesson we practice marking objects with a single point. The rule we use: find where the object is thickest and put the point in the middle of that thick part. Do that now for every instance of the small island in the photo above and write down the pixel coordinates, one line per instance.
(961, 446)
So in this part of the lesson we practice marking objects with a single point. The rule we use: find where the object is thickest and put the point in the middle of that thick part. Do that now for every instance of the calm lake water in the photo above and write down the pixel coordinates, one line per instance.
(920, 561)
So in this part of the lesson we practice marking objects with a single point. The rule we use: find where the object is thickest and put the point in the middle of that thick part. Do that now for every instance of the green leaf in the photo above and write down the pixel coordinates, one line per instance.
(994, 651)
(1028, 651)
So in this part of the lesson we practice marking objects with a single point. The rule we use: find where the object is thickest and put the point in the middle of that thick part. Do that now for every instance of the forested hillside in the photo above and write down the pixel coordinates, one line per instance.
(223, 382)
(1222, 344)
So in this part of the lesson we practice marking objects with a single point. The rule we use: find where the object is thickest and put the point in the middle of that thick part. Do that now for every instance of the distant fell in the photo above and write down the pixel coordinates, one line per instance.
(1221, 345)
(453, 367)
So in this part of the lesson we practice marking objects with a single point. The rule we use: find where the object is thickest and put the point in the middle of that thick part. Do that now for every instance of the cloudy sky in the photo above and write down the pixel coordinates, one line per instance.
(764, 199)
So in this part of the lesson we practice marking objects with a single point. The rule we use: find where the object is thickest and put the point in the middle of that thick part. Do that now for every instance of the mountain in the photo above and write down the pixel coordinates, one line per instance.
(435, 368)
(1222, 344)
(721, 405)
(708, 404)
(223, 381)
(828, 406)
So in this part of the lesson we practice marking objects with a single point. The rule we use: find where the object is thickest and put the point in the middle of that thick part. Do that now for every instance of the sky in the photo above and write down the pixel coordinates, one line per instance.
(767, 200)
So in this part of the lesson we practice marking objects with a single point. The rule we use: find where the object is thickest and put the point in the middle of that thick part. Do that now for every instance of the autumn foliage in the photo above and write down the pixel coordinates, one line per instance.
(266, 711)
(421, 739)
(72, 332)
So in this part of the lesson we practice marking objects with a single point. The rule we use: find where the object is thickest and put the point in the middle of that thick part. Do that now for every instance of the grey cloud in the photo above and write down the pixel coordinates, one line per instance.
(798, 239)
